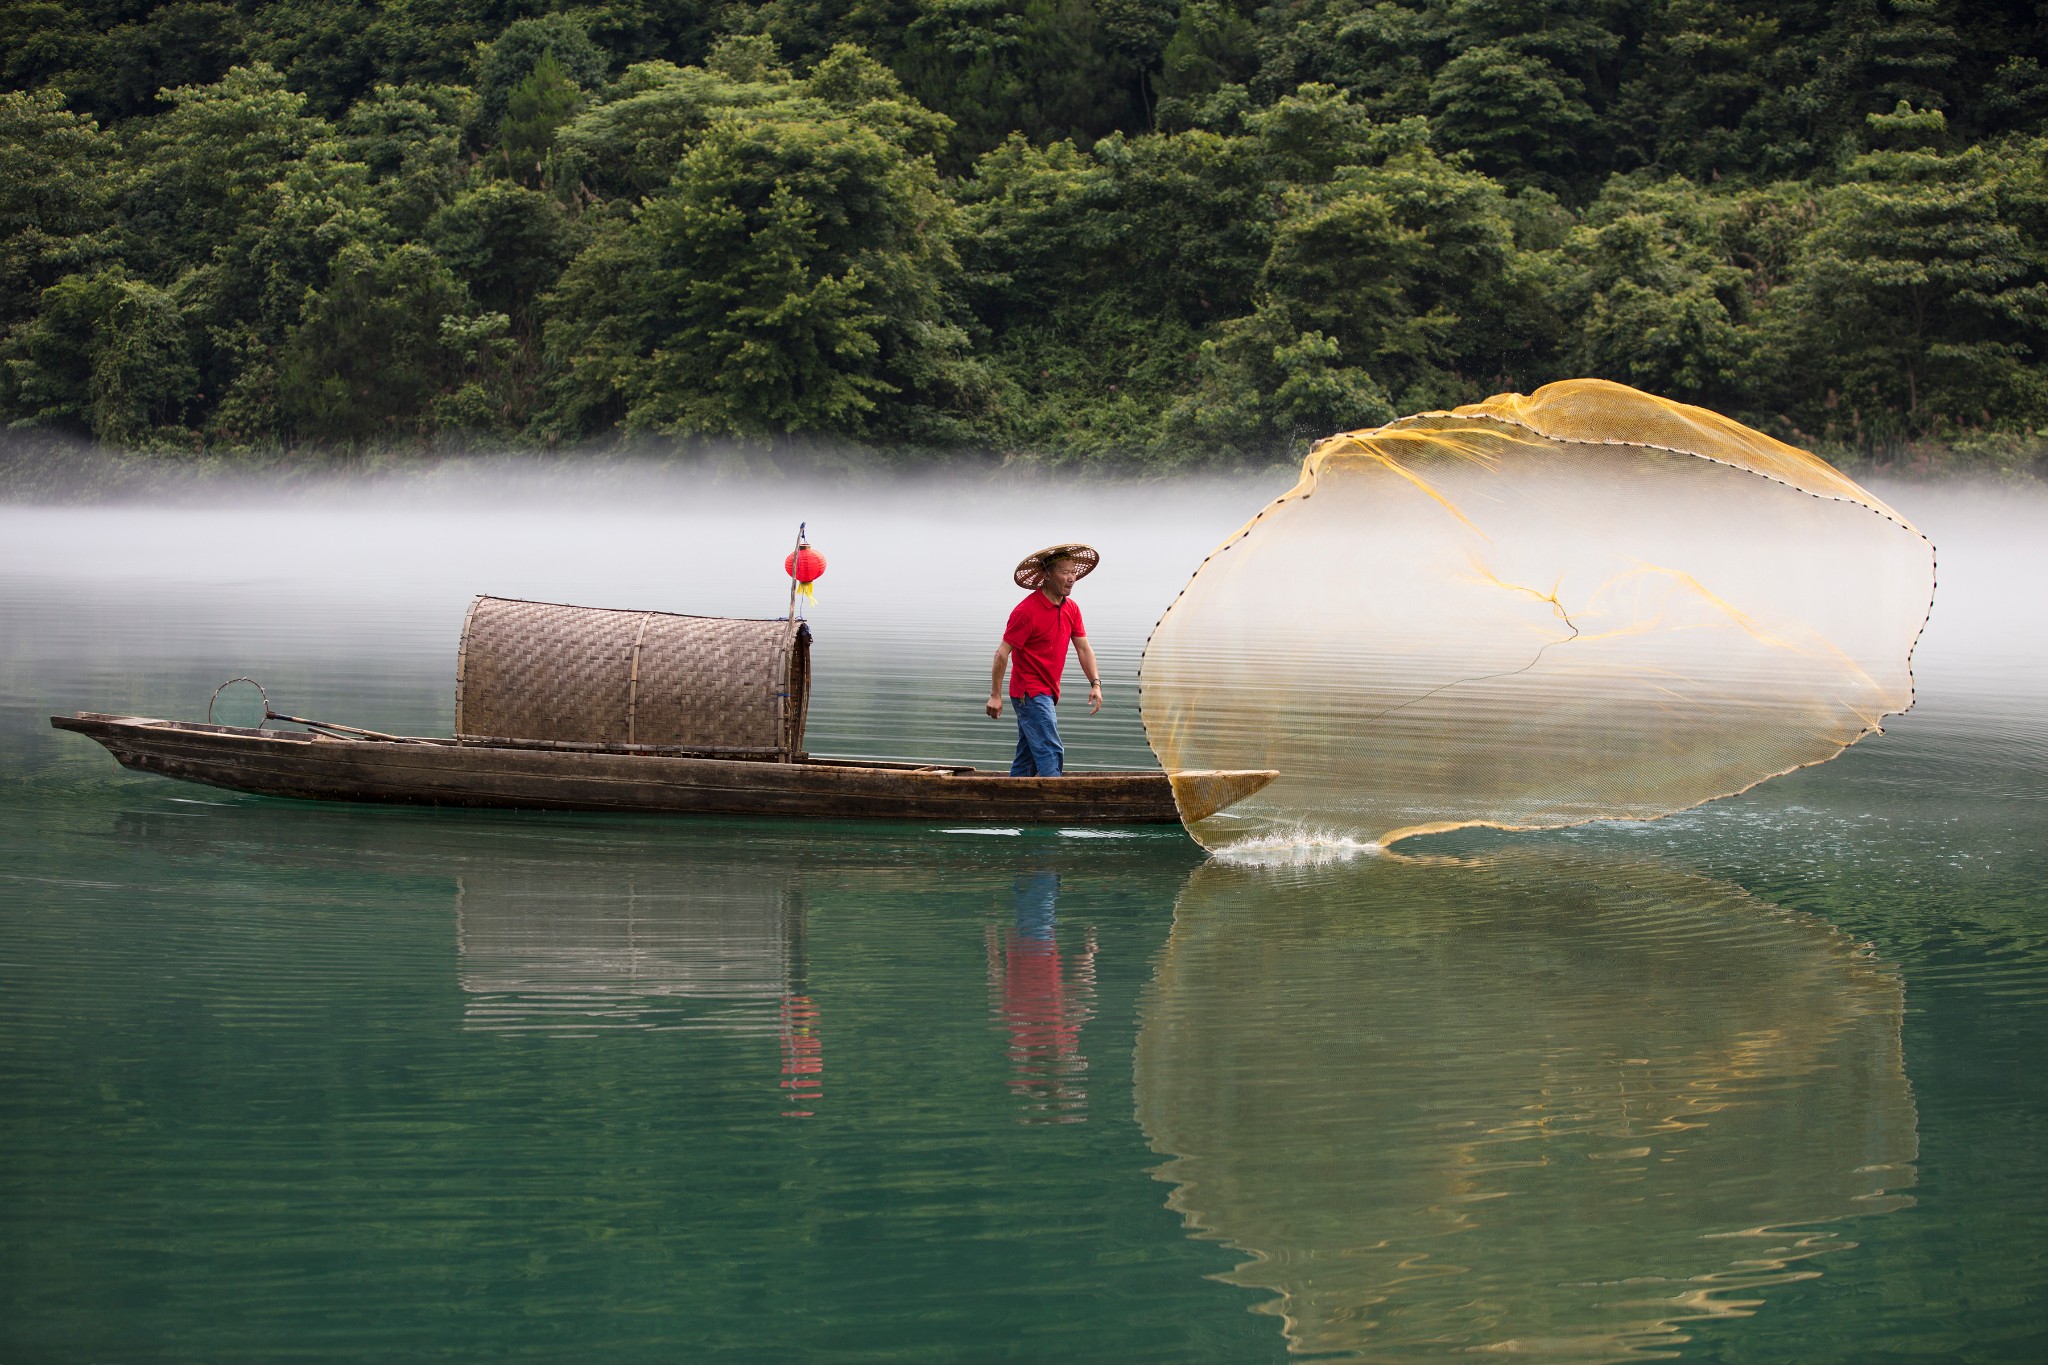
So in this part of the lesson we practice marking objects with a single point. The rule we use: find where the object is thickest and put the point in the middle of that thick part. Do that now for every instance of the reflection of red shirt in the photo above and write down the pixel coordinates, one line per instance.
(1037, 636)
(1035, 1004)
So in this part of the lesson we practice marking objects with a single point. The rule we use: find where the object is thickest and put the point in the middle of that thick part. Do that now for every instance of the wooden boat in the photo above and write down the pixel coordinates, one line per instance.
(563, 775)
(591, 708)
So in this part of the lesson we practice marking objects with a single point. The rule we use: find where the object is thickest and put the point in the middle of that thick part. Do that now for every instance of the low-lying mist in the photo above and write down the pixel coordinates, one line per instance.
(355, 585)
(347, 597)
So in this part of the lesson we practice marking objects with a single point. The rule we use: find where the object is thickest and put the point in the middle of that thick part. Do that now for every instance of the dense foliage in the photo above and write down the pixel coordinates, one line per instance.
(1166, 230)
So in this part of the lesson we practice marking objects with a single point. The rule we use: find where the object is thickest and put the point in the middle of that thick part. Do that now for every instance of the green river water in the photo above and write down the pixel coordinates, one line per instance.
(286, 1081)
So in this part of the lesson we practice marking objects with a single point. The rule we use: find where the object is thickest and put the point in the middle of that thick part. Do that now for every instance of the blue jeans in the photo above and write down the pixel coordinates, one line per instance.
(1038, 738)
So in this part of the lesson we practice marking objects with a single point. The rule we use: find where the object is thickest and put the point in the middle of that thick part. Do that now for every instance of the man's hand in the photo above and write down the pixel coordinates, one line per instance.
(1091, 670)
(995, 680)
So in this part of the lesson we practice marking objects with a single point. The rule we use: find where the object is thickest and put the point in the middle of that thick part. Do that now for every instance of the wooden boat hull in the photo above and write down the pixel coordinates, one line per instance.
(442, 772)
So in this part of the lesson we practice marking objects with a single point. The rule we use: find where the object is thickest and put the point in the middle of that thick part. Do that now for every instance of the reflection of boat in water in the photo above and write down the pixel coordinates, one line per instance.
(1535, 1104)
(590, 950)
(578, 947)
(584, 708)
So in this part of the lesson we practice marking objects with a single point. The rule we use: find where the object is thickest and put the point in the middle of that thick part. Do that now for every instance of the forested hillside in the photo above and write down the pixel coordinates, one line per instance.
(1157, 231)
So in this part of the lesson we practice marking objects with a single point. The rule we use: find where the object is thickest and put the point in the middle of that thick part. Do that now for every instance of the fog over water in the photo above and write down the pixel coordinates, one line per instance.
(305, 586)
(300, 587)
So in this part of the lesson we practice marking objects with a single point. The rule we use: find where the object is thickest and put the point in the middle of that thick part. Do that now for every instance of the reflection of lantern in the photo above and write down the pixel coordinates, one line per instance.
(804, 566)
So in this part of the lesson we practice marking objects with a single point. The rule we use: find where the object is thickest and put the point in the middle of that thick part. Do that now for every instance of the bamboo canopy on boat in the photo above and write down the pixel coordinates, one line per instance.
(544, 671)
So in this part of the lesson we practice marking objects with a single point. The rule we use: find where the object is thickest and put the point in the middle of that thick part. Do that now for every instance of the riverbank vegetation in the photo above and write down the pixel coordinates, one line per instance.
(1158, 232)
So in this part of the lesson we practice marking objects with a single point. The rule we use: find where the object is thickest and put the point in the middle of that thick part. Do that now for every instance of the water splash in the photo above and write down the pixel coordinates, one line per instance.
(1296, 848)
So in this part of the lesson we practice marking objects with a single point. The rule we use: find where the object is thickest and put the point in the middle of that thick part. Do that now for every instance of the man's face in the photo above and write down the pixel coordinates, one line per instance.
(1060, 576)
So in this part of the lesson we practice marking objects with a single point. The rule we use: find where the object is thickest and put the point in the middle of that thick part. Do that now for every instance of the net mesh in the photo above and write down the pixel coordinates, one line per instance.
(1393, 1115)
(1583, 603)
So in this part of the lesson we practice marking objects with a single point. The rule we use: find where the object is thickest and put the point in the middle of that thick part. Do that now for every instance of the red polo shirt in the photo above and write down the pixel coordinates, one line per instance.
(1037, 636)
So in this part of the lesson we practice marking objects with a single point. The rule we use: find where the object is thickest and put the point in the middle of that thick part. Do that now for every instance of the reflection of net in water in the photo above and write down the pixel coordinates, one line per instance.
(1585, 603)
(1538, 1103)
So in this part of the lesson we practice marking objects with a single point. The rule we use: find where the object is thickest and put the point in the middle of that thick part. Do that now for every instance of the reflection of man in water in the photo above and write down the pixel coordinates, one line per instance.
(803, 1056)
(1036, 640)
(1043, 1005)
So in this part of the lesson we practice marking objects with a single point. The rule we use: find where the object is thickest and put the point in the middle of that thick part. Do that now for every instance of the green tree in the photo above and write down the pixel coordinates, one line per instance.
(512, 59)
(792, 277)
(1213, 44)
(192, 42)
(1265, 390)
(1655, 297)
(107, 354)
(641, 30)
(1396, 286)
(627, 142)
(371, 352)
(1381, 53)
(44, 43)
(1919, 301)
(1137, 33)
(1096, 274)
(1522, 84)
(1519, 116)
(337, 51)
(410, 138)
(1757, 89)
(209, 168)
(539, 104)
(57, 184)
(246, 300)
(334, 50)
(1893, 51)
(1709, 81)
(1045, 68)
(1306, 137)
(1182, 227)
(805, 30)
(508, 244)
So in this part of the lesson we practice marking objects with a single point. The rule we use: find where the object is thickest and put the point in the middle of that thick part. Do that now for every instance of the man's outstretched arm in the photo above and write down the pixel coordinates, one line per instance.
(995, 680)
(1085, 652)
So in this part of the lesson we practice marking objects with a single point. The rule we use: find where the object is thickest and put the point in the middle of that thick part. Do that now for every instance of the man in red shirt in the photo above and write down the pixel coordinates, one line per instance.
(1036, 642)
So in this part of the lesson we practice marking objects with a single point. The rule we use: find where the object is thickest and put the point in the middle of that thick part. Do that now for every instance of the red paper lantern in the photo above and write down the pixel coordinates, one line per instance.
(806, 566)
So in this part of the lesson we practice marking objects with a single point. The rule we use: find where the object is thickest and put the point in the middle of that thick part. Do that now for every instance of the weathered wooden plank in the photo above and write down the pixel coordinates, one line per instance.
(383, 773)
(582, 778)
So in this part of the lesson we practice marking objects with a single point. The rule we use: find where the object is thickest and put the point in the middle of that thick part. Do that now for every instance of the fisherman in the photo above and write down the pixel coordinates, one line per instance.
(1036, 638)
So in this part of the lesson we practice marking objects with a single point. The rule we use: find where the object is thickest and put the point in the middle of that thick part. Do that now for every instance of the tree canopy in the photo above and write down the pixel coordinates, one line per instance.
(1156, 231)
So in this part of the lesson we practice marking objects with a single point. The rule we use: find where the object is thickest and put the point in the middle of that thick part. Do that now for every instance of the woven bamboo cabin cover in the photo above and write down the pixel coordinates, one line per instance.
(592, 675)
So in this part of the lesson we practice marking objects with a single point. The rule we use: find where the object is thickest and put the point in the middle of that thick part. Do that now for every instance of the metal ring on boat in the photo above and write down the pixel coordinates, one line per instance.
(230, 683)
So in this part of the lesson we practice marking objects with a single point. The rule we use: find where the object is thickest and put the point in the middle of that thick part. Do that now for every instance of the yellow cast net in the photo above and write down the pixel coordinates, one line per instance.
(1584, 603)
